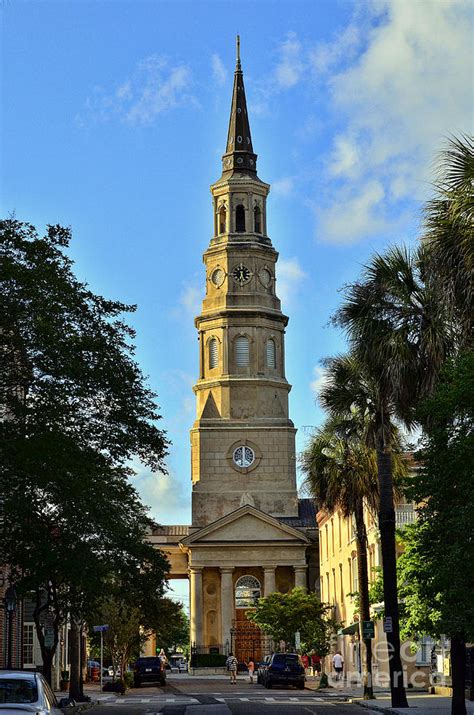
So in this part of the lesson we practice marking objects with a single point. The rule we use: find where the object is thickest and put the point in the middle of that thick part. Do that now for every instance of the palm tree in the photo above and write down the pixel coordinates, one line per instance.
(400, 336)
(448, 232)
(341, 474)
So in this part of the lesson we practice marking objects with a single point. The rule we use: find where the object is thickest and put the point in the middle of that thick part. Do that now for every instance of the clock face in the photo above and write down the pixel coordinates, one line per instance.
(265, 277)
(241, 274)
(217, 277)
(243, 456)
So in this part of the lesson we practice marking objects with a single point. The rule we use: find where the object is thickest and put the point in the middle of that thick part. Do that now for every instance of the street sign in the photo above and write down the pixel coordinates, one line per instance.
(48, 638)
(387, 624)
(100, 629)
(297, 640)
(368, 630)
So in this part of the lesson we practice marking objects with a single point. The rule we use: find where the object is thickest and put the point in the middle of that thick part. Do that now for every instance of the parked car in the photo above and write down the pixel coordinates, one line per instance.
(261, 669)
(284, 669)
(150, 669)
(23, 692)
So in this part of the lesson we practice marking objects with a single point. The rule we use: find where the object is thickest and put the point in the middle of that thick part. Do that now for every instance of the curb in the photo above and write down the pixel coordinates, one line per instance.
(370, 705)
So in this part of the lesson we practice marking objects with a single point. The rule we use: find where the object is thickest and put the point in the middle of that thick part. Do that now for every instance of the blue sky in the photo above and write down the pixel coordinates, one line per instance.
(114, 119)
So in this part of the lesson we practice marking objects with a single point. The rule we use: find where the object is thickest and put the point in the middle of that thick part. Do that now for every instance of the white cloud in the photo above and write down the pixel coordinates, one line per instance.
(398, 100)
(218, 70)
(319, 374)
(290, 65)
(191, 299)
(289, 277)
(153, 88)
(359, 213)
(167, 496)
(283, 186)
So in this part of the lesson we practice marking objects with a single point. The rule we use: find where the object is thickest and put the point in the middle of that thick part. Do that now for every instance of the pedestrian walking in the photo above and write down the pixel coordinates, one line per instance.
(251, 669)
(338, 663)
(231, 664)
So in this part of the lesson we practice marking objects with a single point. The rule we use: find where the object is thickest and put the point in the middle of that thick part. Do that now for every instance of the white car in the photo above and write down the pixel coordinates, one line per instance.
(23, 692)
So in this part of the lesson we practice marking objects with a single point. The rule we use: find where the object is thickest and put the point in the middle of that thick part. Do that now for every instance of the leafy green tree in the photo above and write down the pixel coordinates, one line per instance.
(437, 566)
(341, 474)
(282, 615)
(171, 626)
(75, 412)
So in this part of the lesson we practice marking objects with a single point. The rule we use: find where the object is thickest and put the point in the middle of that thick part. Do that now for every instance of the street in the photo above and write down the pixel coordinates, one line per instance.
(193, 696)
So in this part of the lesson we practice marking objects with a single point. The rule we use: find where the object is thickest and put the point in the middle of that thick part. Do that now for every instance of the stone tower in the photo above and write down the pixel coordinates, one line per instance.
(242, 442)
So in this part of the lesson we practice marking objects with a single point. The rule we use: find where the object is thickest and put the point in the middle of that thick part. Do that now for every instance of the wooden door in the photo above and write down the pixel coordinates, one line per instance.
(248, 638)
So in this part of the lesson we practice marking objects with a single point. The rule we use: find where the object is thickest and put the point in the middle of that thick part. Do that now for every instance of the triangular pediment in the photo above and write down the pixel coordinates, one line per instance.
(246, 524)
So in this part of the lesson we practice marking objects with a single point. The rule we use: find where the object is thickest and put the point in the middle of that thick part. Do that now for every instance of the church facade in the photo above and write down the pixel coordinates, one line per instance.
(250, 534)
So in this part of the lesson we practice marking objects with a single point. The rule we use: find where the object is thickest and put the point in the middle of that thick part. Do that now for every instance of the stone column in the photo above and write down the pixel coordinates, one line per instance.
(301, 577)
(195, 578)
(227, 604)
(269, 580)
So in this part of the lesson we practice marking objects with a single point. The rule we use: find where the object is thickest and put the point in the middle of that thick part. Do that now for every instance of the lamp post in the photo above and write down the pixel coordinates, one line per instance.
(10, 601)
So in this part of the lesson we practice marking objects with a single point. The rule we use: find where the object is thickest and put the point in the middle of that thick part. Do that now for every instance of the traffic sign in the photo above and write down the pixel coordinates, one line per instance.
(388, 624)
(368, 630)
(100, 629)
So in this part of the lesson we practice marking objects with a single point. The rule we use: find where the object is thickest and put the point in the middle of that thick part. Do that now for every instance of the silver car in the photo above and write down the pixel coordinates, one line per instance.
(24, 692)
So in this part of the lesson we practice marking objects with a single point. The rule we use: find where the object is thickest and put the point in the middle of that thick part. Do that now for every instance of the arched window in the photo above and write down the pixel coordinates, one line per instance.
(257, 219)
(212, 353)
(222, 219)
(271, 353)
(247, 592)
(240, 219)
(242, 351)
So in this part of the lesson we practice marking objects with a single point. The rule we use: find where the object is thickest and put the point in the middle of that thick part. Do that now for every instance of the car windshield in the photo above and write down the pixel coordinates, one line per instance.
(149, 661)
(285, 659)
(18, 690)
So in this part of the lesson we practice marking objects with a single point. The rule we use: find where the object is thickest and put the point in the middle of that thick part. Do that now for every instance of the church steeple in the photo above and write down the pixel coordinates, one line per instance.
(239, 157)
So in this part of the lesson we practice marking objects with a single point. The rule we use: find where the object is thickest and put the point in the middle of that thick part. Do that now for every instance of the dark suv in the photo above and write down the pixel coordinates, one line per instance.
(284, 669)
(149, 670)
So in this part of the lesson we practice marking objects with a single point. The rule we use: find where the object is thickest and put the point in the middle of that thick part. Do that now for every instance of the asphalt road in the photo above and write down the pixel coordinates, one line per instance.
(218, 698)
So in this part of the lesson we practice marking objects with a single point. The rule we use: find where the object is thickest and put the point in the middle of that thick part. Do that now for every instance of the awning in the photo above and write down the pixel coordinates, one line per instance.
(349, 630)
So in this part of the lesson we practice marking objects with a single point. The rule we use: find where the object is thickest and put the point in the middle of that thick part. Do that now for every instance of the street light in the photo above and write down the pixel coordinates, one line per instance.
(10, 601)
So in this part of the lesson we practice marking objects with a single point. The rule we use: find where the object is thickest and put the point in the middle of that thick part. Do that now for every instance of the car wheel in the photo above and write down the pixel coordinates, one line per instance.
(268, 684)
(136, 683)
(300, 686)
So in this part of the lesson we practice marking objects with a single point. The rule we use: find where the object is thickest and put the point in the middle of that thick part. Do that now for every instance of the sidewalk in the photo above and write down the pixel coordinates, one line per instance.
(424, 703)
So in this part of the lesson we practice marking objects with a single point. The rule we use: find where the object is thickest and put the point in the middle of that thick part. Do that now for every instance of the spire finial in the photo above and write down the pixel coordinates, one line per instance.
(238, 51)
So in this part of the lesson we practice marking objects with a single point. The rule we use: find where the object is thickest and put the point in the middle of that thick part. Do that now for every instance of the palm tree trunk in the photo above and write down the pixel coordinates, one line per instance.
(458, 675)
(389, 562)
(364, 605)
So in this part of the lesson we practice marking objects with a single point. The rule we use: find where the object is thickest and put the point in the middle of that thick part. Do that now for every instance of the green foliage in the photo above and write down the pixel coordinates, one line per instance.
(77, 412)
(437, 566)
(281, 615)
(170, 623)
(209, 660)
(128, 679)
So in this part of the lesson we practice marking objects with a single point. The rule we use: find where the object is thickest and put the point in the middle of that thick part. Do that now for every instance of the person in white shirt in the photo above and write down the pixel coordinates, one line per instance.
(338, 664)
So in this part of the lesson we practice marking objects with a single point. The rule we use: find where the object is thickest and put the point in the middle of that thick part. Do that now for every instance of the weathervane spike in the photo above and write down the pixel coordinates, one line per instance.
(238, 50)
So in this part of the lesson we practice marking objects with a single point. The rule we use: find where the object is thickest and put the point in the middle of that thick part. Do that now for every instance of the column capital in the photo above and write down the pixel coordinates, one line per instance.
(195, 569)
(300, 568)
(269, 569)
(226, 569)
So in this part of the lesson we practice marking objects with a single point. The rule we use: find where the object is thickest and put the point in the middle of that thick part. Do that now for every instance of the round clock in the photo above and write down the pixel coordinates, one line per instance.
(217, 277)
(241, 274)
(265, 277)
(243, 456)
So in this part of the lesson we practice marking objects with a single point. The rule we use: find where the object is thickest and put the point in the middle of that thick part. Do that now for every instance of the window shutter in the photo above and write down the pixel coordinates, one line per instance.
(271, 357)
(242, 351)
(212, 353)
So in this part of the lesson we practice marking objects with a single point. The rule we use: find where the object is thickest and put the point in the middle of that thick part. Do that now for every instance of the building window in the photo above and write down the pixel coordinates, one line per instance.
(28, 643)
(213, 353)
(271, 353)
(222, 219)
(341, 582)
(332, 535)
(326, 537)
(247, 592)
(257, 214)
(355, 575)
(242, 351)
(339, 517)
(240, 219)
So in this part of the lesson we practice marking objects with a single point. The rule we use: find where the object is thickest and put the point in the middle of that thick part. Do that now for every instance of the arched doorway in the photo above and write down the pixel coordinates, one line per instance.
(248, 637)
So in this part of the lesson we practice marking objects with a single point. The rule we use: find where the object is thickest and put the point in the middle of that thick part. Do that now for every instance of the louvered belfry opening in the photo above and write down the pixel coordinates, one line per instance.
(242, 351)
(257, 219)
(271, 356)
(212, 353)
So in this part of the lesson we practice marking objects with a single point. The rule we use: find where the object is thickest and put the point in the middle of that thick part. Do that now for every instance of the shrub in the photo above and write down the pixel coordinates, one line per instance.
(117, 686)
(208, 660)
(128, 679)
